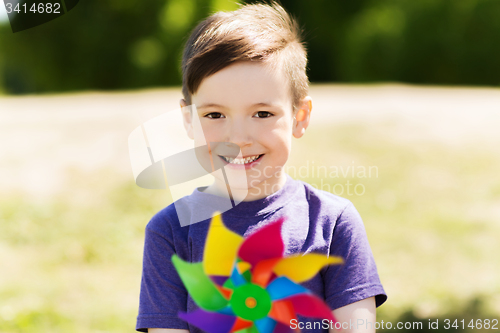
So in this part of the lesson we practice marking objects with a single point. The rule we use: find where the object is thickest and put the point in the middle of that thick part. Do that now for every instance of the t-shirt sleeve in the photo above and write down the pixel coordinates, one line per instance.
(357, 278)
(162, 292)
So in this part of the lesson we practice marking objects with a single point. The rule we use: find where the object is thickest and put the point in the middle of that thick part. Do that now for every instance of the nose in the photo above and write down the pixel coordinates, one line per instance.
(239, 133)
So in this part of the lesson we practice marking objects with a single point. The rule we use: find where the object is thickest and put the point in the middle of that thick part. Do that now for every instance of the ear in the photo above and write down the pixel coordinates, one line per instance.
(302, 117)
(187, 118)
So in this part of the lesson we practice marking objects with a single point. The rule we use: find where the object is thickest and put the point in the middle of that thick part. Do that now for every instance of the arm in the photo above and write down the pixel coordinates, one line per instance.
(359, 317)
(162, 293)
(354, 288)
(166, 330)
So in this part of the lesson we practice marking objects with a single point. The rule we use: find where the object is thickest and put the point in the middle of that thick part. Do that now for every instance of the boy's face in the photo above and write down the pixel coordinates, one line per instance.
(250, 105)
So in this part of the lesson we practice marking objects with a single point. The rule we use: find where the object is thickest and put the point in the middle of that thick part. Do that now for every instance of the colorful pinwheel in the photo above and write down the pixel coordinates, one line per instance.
(260, 292)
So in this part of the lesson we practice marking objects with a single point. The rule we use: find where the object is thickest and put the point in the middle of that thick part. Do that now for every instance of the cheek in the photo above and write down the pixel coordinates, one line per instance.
(280, 134)
(207, 133)
(278, 140)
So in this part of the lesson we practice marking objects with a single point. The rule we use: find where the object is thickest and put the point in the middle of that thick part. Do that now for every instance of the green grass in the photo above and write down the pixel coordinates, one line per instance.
(72, 263)
(431, 214)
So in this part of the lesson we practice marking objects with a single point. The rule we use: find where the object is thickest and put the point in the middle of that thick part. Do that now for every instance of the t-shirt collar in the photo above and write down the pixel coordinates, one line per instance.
(257, 207)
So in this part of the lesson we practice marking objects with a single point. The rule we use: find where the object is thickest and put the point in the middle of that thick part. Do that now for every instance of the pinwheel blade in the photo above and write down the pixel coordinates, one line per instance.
(283, 328)
(266, 243)
(263, 271)
(251, 329)
(237, 279)
(303, 268)
(226, 292)
(229, 284)
(221, 247)
(241, 324)
(227, 311)
(283, 287)
(203, 291)
(311, 306)
(243, 266)
(265, 325)
(282, 311)
(210, 322)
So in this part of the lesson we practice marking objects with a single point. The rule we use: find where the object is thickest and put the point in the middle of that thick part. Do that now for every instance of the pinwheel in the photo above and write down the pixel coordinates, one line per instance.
(246, 285)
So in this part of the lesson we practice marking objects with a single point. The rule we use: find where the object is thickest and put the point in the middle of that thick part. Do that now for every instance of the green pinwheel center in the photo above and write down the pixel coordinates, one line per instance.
(250, 302)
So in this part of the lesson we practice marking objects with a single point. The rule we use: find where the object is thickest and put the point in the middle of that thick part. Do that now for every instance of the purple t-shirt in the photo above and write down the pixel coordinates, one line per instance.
(316, 221)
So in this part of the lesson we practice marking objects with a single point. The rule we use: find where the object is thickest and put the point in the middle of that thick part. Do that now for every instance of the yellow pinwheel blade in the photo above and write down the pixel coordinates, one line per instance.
(303, 268)
(221, 248)
(243, 266)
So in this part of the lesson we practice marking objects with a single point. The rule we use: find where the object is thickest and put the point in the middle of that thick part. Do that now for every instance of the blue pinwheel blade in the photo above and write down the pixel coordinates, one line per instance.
(236, 278)
(265, 325)
(227, 311)
(283, 287)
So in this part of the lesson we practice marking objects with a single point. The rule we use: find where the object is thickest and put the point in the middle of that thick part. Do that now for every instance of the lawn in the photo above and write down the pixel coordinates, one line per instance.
(71, 261)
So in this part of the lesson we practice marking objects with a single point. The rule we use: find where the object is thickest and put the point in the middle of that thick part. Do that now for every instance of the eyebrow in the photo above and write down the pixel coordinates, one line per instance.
(264, 104)
(210, 105)
(214, 105)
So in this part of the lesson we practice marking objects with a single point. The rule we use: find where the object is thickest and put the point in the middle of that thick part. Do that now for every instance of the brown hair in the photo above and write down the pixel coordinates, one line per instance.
(252, 33)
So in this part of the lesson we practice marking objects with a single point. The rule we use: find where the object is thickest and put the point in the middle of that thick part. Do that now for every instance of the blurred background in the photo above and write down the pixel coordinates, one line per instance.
(408, 87)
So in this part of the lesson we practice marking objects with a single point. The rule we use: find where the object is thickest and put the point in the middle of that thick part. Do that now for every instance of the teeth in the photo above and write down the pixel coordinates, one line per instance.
(241, 160)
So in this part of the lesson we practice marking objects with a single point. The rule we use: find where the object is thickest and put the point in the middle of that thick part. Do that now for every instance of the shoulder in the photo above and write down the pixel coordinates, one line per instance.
(163, 218)
(325, 202)
(165, 222)
(315, 217)
(165, 236)
(331, 212)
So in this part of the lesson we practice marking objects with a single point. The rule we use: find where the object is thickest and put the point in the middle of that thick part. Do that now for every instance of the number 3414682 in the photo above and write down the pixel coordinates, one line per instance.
(40, 8)
(474, 324)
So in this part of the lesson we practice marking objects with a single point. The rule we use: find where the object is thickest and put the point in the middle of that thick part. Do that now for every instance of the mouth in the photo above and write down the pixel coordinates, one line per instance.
(241, 161)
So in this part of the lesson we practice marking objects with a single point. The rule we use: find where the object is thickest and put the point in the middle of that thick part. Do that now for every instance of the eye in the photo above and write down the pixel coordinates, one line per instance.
(264, 114)
(214, 115)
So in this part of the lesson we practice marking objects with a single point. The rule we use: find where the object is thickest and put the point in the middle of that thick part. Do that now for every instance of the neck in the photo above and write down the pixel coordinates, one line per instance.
(261, 190)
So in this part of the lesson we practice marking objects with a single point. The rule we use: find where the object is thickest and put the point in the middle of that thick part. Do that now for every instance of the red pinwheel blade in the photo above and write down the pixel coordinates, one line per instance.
(266, 243)
(311, 306)
(284, 328)
(263, 271)
(251, 329)
(240, 324)
(282, 311)
(226, 292)
(210, 322)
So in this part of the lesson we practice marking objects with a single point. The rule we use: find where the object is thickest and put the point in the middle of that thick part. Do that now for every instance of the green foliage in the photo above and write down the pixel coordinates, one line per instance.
(436, 42)
(133, 44)
(177, 16)
(224, 5)
(102, 45)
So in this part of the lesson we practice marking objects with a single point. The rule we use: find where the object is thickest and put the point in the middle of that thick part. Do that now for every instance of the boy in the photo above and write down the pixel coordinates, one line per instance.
(245, 73)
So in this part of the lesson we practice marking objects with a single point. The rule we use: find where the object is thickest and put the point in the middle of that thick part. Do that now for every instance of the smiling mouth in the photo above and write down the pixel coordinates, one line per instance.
(246, 160)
